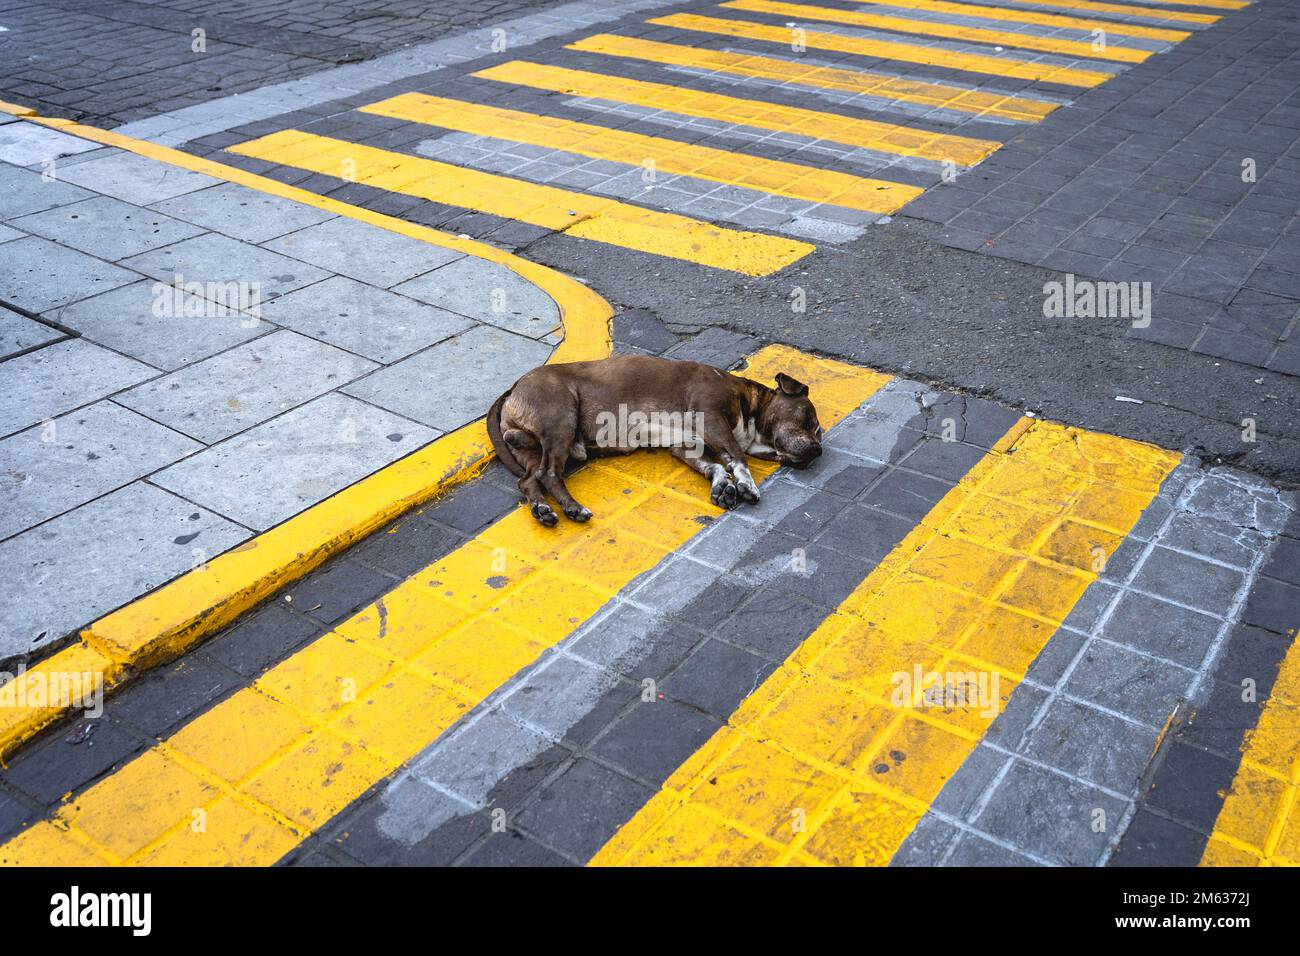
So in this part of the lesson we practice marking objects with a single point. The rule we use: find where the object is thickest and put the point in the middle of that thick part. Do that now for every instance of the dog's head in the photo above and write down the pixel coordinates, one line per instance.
(790, 423)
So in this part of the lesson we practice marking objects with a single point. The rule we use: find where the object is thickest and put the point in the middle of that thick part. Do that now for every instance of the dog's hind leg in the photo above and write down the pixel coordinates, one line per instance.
(530, 485)
(554, 457)
(722, 490)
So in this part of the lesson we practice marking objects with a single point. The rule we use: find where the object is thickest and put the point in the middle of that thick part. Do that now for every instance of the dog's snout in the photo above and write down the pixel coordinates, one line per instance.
(810, 454)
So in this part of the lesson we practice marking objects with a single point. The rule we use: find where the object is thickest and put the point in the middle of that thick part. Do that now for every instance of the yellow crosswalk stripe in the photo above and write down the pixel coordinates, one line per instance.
(836, 756)
(821, 77)
(1151, 13)
(1012, 15)
(575, 214)
(888, 50)
(663, 155)
(951, 31)
(1259, 823)
(249, 779)
(868, 134)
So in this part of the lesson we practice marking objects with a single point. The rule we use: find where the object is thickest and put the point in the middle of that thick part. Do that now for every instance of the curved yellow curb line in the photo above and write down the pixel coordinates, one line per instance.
(165, 623)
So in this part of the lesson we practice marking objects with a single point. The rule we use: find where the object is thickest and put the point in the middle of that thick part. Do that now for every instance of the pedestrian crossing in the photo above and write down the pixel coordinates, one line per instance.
(698, 134)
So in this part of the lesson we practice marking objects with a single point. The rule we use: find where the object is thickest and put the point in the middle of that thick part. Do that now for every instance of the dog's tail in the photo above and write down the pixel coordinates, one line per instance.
(503, 450)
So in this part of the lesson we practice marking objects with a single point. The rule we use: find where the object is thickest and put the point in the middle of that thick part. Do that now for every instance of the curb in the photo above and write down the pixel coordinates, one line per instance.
(165, 623)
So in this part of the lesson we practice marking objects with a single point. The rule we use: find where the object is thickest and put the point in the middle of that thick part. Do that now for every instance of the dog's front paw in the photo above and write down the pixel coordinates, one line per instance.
(724, 495)
(577, 513)
(545, 514)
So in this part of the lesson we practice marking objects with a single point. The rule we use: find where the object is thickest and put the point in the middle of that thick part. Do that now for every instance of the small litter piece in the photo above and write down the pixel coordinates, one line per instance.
(1131, 401)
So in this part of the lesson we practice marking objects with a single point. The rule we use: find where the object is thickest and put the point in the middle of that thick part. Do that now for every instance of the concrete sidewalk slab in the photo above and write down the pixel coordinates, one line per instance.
(354, 249)
(23, 192)
(135, 179)
(275, 470)
(240, 212)
(495, 295)
(107, 228)
(19, 333)
(487, 362)
(40, 275)
(214, 258)
(244, 386)
(41, 384)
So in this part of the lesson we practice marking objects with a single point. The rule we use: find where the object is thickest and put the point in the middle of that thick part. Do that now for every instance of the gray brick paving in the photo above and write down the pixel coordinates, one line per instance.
(1142, 180)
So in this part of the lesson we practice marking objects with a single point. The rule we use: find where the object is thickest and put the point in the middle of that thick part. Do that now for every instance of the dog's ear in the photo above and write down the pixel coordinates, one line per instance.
(790, 386)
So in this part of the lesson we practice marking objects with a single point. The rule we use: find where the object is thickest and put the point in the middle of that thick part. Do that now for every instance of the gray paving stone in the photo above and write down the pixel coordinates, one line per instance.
(90, 452)
(25, 144)
(59, 377)
(1120, 679)
(973, 850)
(362, 251)
(242, 213)
(1165, 630)
(555, 697)
(135, 179)
(714, 346)
(1050, 816)
(220, 259)
(372, 322)
(273, 471)
(489, 293)
(6, 234)
(1189, 580)
(17, 333)
(38, 275)
(23, 192)
(114, 548)
(455, 381)
(583, 808)
(471, 762)
(107, 228)
(1213, 538)
(244, 386)
(157, 324)
(1092, 745)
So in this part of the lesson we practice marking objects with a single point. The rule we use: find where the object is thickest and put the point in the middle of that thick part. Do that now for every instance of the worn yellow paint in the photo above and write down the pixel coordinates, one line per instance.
(1259, 823)
(1152, 12)
(576, 214)
(823, 763)
(269, 765)
(888, 50)
(1037, 17)
(167, 622)
(836, 127)
(1024, 41)
(636, 149)
(821, 77)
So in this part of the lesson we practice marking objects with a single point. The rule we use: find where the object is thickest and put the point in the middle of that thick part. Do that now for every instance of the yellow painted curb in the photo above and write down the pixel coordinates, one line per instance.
(165, 623)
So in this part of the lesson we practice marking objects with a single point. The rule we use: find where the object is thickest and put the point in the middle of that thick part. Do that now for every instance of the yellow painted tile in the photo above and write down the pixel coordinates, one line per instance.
(1047, 490)
(1046, 590)
(1152, 12)
(1080, 546)
(1007, 639)
(996, 522)
(1288, 844)
(963, 564)
(917, 759)
(1037, 17)
(316, 779)
(887, 50)
(238, 735)
(1274, 743)
(865, 828)
(588, 217)
(1219, 852)
(670, 156)
(867, 134)
(324, 677)
(405, 622)
(226, 833)
(480, 656)
(691, 837)
(426, 712)
(44, 844)
(1024, 41)
(1096, 456)
(133, 807)
(762, 788)
(1250, 807)
(820, 721)
(483, 571)
(549, 604)
(913, 608)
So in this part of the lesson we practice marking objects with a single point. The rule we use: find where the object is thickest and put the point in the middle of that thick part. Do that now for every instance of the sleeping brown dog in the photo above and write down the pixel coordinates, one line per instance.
(707, 418)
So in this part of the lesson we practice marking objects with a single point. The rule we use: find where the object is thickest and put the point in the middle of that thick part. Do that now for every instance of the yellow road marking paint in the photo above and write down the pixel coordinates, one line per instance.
(950, 31)
(1259, 823)
(867, 134)
(166, 622)
(271, 764)
(888, 50)
(576, 214)
(821, 77)
(823, 763)
(1138, 11)
(1012, 15)
(668, 155)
